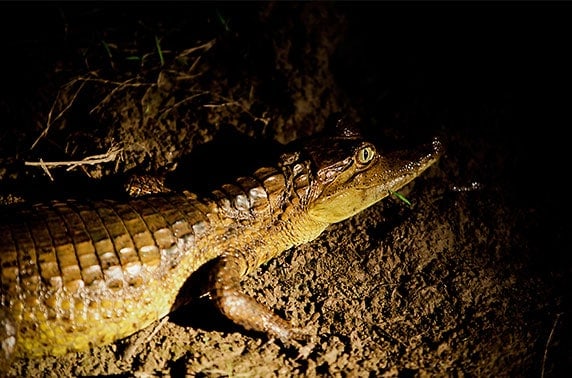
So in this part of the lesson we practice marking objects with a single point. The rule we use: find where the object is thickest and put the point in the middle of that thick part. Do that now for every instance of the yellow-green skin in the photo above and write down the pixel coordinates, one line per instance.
(76, 275)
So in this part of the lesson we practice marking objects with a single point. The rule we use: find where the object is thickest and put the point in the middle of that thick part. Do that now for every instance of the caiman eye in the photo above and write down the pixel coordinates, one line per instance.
(365, 154)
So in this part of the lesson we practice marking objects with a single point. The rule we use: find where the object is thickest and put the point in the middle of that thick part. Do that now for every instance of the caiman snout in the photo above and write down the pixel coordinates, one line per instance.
(367, 175)
(401, 166)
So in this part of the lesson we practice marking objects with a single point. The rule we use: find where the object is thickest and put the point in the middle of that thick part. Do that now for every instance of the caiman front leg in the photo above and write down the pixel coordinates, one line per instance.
(242, 309)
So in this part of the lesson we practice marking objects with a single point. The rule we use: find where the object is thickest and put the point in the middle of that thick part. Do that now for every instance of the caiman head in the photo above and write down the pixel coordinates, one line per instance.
(351, 174)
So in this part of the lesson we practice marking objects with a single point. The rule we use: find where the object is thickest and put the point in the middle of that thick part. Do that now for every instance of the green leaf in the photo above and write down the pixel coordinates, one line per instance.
(401, 197)
(158, 45)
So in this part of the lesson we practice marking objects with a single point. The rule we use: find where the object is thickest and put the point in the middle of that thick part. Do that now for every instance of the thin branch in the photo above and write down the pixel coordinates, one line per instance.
(110, 155)
(195, 63)
(231, 102)
(51, 121)
(132, 348)
(113, 82)
(183, 101)
(205, 46)
(548, 343)
(119, 87)
(45, 168)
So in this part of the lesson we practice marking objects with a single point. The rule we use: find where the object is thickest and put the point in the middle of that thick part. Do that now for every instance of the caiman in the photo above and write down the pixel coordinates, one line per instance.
(77, 274)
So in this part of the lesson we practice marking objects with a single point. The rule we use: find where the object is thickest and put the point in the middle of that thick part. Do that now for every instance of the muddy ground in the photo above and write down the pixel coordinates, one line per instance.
(471, 280)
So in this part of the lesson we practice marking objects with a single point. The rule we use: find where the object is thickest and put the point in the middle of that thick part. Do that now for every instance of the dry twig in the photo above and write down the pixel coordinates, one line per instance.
(110, 155)
(51, 120)
(548, 344)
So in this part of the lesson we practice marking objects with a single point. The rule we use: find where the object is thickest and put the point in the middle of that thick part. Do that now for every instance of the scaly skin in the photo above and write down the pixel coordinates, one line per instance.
(79, 274)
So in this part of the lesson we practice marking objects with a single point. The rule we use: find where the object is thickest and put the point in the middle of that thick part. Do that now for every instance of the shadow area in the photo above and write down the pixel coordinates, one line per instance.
(230, 155)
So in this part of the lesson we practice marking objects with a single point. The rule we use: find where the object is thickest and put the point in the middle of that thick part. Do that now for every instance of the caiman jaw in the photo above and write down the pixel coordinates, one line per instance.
(363, 187)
